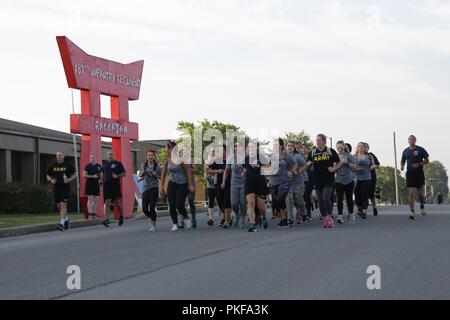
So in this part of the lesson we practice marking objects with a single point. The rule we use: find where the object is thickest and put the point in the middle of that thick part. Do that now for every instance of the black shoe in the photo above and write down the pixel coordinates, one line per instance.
(252, 228)
(210, 223)
(304, 218)
(265, 223)
(364, 216)
(106, 223)
(67, 224)
(180, 225)
(221, 223)
(60, 227)
(120, 220)
(290, 222)
(375, 211)
(283, 224)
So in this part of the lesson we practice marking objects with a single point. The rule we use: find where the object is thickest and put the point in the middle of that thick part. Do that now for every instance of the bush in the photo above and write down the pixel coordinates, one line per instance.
(25, 198)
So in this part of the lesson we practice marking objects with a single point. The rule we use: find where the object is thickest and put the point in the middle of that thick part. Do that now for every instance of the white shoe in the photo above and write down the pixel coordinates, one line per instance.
(174, 228)
(188, 224)
(351, 219)
(152, 228)
(340, 219)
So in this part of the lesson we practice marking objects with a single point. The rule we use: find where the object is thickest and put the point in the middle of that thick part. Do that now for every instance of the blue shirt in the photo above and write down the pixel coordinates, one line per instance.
(414, 156)
(112, 167)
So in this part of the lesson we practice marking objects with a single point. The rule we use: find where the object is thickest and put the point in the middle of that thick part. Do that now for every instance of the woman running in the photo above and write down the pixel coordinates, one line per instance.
(280, 182)
(309, 184)
(297, 192)
(255, 185)
(324, 162)
(363, 180)
(150, 173)
(93, 173)
(223, 188)
(180, 183)
(235, 168)
(345, 182)
(210, 187)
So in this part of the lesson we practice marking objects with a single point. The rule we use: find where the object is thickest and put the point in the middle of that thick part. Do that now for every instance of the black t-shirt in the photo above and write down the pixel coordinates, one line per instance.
(58, 170)
(253, 173)
(109, 168)
(92, 169)
(322, 160)
(373, 161)
(217, 166)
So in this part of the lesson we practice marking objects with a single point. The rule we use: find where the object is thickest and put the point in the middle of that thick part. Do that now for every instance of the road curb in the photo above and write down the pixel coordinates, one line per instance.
(48, 227)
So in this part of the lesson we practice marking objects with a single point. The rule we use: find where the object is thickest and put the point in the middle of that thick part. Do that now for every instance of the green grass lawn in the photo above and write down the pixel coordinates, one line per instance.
(17, 220)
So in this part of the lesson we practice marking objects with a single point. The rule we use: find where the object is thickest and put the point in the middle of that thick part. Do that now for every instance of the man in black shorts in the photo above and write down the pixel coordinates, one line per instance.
(60, 175)
(93, 173)
(113, 170)
(416, 158)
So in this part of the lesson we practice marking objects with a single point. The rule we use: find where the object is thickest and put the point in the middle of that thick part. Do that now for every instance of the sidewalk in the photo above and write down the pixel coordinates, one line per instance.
(48, 227)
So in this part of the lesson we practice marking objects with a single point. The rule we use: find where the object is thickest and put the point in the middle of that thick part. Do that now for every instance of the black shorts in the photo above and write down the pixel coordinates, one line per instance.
(111, 191)
(257, 187)
(61, 193)
(211, 192)
(415, 179)
(92, 188)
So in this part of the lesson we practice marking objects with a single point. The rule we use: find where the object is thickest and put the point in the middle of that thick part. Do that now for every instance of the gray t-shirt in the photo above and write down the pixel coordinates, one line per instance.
(363, 174)
(299, 179)
(176, 173)
(236, 165)
(345, 173)
(284, 165)
(150, 181)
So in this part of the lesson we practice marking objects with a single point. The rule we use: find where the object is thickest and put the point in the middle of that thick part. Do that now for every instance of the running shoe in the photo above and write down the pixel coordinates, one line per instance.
(340, 219)
(330, 223)
(210, 223)
(364, 215)
(283, 224)
(252, 228)
(309, 219)
(60, 227)
(290, 222)
(265, 223)
(67, 224)
(194, 223)
(121, 220)
(106, 223)
(188, 224)
(152, 228)
(180, 225)
(226, 225)
(412, 216)
(221, 223)
(174, 228)
(325, 223)
(375, 211)
(242, 226)
(236, 222)
(351, 219)
(423, 212)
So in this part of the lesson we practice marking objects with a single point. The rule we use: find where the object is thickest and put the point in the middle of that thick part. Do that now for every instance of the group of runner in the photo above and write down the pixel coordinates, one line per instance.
(246, 182)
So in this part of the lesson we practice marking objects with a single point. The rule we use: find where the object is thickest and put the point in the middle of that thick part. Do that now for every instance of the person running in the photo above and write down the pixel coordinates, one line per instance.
(150, 173)
(193, 169)
(281, 180)
(113, 171)
(345, 182)
(375, 165)
(93, 173)
(223, 188)
(255, 185)
(295, 197)
(415, 158)
(309, 184)
(180, 184)
(363, 180)
(60, 175)
(324, 162)
(210, 187)
(235, 169)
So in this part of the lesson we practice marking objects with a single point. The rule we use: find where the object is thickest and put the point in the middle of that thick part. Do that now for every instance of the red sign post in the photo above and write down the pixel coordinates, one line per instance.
(94, 76)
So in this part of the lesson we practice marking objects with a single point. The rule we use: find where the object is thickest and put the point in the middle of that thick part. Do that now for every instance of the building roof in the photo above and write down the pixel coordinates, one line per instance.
(158, 143)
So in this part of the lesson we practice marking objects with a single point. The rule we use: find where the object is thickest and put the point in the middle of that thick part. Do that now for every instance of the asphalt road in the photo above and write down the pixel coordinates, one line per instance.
(303, 262)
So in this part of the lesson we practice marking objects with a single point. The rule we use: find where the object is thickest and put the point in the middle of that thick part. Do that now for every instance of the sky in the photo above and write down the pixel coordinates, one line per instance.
(353, 70)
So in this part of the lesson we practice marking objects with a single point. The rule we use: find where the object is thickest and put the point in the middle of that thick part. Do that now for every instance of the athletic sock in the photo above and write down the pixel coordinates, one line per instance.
(62, 221)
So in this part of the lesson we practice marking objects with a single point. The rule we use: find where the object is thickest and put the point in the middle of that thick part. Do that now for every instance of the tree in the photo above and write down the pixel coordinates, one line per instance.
(436, 177)
(302, 137)
(386, 182)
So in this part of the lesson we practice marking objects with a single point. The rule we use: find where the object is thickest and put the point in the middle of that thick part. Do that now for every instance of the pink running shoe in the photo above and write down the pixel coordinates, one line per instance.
(330, 223)
(299, 219)
(325, 223)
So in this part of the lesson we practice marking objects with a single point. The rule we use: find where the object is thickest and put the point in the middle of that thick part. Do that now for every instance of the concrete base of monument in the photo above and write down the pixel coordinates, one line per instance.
(49, 227)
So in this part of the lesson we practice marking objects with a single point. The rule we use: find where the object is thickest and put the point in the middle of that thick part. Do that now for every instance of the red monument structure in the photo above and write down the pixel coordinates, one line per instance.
(95, 76)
